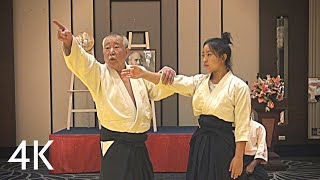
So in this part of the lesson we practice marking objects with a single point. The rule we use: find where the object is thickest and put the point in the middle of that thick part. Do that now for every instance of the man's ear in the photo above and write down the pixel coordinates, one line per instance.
(127, 52)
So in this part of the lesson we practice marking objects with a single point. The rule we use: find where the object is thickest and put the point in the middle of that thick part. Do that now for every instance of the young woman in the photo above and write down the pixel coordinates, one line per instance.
(222, 101)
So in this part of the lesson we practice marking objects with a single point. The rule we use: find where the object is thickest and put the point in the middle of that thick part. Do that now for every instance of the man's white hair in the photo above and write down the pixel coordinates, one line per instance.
(124, 39)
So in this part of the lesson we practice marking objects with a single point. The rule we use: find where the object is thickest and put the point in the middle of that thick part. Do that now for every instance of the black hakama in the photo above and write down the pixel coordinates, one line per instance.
(259, 172)
(127, 158)
(212, 147)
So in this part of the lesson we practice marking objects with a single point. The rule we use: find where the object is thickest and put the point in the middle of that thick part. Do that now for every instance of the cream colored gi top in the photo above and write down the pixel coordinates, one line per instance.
(115, 108)
(257, 145)
(229, 100)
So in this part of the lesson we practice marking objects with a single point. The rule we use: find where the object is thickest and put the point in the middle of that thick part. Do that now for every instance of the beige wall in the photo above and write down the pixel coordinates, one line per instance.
(210, 21)
(32, 75)
(60, 10)
(83, 21)
(32, 67)
(188, 62)
(32, 54)
(241, 19)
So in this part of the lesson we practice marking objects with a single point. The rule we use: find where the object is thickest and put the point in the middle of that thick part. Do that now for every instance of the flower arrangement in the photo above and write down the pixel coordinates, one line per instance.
(268, 91)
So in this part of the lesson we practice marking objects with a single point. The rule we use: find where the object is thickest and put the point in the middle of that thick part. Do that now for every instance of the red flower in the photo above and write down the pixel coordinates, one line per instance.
(265, 89)
(260, 87)
(277, 79)
(271, 104)
(255, 83)
(260, 100)
(279, 97)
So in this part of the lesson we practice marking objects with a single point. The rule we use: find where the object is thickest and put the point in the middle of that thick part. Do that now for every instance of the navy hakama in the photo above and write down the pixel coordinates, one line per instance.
(212, 148)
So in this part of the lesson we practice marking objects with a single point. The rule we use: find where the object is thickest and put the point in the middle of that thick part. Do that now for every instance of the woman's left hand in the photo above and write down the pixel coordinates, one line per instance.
(236, 167)
(134, 71)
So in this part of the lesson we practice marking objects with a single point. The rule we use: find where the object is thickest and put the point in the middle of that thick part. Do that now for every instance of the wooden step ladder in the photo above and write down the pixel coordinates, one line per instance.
(144, 46)
(82, 38)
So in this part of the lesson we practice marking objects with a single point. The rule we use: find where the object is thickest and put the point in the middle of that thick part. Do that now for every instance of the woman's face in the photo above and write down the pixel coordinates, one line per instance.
(211, 62)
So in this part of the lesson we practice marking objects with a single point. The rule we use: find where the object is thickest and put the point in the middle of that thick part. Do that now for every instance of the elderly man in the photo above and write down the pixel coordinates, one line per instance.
(122, 104)
(135, 58)
(314, 91)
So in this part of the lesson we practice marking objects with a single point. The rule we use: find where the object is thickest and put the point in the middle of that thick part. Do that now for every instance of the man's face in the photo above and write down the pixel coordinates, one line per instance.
(115, 53)
(135, 59)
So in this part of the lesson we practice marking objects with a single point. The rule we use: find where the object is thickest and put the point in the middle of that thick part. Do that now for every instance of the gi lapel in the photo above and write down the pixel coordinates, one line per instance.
(214, 95)
(118, 83)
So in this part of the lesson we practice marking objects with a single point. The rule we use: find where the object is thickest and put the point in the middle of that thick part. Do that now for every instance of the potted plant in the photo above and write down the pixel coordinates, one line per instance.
(268, 92)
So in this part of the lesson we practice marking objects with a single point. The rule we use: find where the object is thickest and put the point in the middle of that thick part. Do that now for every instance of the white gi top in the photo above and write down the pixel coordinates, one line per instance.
(257, 145)
(229, 100)
(115, 108)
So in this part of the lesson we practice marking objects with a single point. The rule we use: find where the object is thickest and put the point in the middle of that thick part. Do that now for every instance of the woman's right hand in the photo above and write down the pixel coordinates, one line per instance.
(236, 167)
(168, 75)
